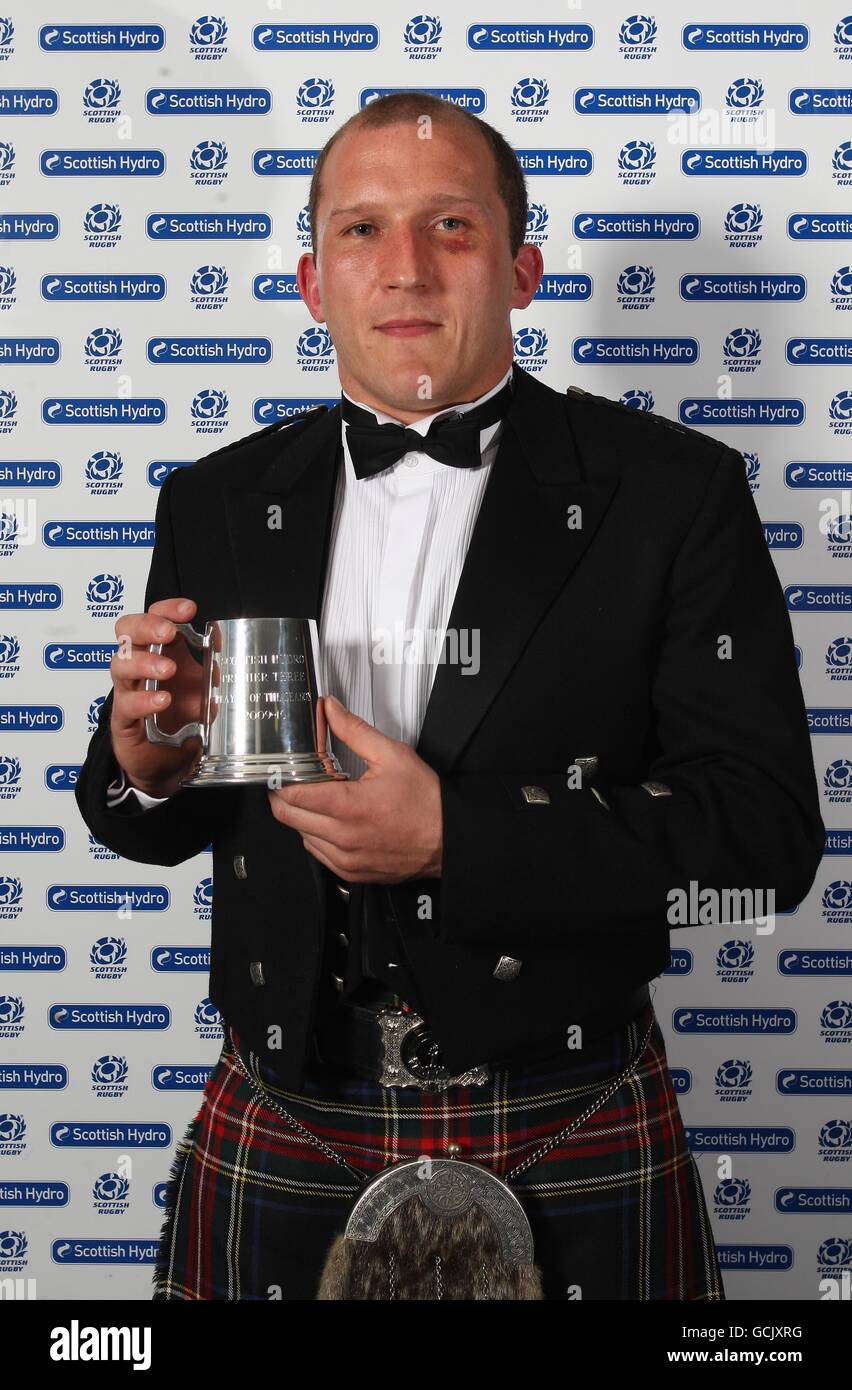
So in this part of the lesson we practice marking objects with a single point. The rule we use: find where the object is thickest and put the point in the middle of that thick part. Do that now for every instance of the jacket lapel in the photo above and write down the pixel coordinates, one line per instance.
(521, 553)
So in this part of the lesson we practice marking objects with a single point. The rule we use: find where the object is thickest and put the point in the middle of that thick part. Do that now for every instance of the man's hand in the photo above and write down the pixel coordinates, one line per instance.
(384, 827)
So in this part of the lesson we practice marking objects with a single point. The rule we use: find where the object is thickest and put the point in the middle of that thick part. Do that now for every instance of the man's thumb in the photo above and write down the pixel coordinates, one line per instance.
(363, 738)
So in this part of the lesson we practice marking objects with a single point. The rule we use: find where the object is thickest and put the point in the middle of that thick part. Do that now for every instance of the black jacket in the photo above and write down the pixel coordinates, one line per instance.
(613, 553)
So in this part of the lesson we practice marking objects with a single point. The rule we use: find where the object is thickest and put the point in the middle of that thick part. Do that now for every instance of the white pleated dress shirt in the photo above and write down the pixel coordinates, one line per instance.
(397, 547)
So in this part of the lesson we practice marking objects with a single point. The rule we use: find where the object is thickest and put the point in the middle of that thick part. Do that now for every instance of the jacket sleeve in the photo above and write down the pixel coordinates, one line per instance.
(732, 743)
(182, 825)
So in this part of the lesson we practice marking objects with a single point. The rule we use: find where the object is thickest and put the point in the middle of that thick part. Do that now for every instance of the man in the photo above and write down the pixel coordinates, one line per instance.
(618, 714)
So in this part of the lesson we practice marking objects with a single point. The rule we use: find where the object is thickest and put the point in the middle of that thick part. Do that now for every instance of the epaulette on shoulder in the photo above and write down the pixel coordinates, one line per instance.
(295, 424)
(645, 414)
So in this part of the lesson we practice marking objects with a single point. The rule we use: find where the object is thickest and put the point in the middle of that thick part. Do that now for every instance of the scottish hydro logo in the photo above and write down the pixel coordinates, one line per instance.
(207, 38)
(202, 900)
(732, 1199)
(837, 903)
(109, 1077)
(530, 98)
(744, 99)
(315, 100)
(530, 346)
(109, 38)
(743, 225)
(7, 162)
(7, 34)
(635, 287)
(840, 413)
(735, 962)
(108, 958)
(843, 39)
(8, 285)
(103, 472)
(537, 224)
(637, 37)
(102, 101)
(835, 1141)
(102, 226)
(209, 411)
(111, 1194)
(208, 287)
(10, 777)
(741, 350)
(733, 1080)
(636, 161)
(315, 350)
(208, 163)
(836, 1022)
(11, 898)
(103, 350)
(422, 37)
(208, 1020)
(105, 596)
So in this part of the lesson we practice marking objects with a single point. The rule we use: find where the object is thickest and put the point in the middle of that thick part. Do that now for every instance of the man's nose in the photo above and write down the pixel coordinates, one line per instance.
(406, 261)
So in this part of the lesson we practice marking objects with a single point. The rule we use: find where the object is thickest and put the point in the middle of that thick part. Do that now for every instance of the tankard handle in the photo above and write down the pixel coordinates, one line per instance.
(152, 729)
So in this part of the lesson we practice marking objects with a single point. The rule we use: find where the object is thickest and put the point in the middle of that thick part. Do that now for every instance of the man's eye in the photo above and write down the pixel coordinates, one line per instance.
(358, 224)
(457, 220)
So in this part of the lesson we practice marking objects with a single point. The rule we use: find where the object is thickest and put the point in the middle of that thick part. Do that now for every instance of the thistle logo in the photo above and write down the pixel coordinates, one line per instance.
(303, 228)
(752, 463)
(835, 1022)
(207, 38)
(102, 226)
(840, 413)
(741, 350)
(530, 347)
(10, 777)
(110, 1193)
(743, 100)
(209, 411)
(14, 1248)
(315, 350)
(422, 38)
(315, 100)
(530, 98)
(743, 225)
(10, 654)
(109, 1077)
(94, 712)
(7, 33)
(208, 287)
(635, 287)
(843, 39)
(103, 350)
(841, 164)
(735, 962)
(8, 284)
(105, 596)
(9, 534)
(208, 163)
(11, 897)
(102, 101)
(833, 1254)
(104, 473)
(731, 1199)
(98, 851)
(837, 781)
(208, 1020)
(637, 35)
(7, 161)
(108, 958)
(636, 162)
(841, 287)
(733, 1080)
(11, 1016)
(13, 1135)
(637, 399)
(537, 224)
(202, 899)
(835, 1141)
(838, 659)
(8, 411)
(838, 535)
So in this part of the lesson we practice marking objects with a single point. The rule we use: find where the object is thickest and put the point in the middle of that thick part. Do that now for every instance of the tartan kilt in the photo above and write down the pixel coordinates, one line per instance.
(617, 1209)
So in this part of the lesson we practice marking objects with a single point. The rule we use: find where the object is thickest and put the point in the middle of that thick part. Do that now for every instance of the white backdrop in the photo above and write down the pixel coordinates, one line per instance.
(153, 188)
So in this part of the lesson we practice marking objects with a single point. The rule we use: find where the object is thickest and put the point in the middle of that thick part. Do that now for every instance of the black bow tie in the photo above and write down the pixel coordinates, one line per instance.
(454, 439)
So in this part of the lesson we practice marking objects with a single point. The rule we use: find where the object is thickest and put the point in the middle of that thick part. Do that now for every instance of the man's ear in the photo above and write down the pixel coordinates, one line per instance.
(528, 270)
(308, 281)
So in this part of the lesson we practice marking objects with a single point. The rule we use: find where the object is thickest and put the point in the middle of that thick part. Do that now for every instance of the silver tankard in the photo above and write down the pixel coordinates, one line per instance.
(262, 720)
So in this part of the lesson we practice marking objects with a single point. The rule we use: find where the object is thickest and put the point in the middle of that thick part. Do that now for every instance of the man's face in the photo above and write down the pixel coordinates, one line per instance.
(414, 274)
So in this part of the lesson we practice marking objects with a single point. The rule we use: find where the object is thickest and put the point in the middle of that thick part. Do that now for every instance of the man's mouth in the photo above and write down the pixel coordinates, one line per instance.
(407, 328)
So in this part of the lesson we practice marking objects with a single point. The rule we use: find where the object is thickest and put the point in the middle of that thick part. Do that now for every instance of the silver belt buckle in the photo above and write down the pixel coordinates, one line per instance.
(411, 1056)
